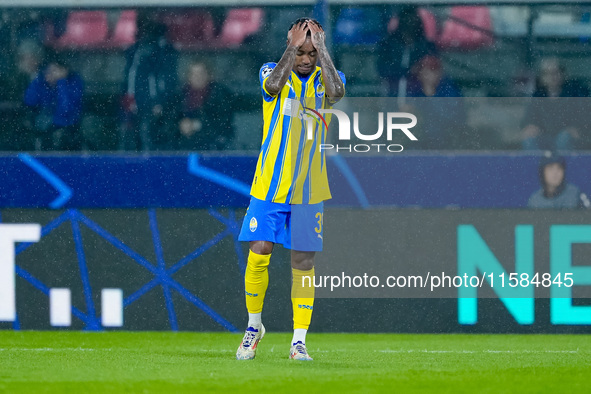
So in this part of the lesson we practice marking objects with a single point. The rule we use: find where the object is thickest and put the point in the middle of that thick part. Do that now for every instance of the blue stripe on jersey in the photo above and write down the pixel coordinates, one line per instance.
(303, 92)
(298, 165)
(322, 141)
(303, 135)
(306, 186)
(306, 191)
(270, 132)
(266, 96)
(317, 129)
(322, 131)
(278, 168)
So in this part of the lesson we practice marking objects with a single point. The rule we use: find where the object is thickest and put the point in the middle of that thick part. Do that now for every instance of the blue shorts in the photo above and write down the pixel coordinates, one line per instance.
(297, 227)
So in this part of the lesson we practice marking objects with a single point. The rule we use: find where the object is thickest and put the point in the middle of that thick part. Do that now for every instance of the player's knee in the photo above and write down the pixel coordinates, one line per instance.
(302, 261)
(261, 247)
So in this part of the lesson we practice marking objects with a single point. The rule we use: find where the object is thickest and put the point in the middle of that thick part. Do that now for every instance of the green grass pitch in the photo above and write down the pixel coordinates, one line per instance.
(147, 362)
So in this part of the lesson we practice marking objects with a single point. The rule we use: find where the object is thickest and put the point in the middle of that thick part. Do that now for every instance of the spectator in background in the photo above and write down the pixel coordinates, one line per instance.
(555, 192)
(429, 80)
(400, 49)
(29, 57)
(16, 131)
(553, 124)
(440, 122)
(206, 112)
(151, 87)
(55, 96)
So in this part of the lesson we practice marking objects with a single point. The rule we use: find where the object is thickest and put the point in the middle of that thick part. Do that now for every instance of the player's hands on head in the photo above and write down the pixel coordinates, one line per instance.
(297, 34)
(317, 34)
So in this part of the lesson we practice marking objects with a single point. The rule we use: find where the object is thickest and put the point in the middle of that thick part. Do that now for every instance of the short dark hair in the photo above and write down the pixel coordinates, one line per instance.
(552, 158)
(304, 19)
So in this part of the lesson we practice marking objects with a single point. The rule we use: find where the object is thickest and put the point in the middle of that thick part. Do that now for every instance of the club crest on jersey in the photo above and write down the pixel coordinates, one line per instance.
(266, 71)
(253, 224)
(320, 90)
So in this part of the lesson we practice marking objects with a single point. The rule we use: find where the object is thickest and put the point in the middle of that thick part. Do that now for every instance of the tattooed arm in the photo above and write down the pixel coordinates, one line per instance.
(335, 89)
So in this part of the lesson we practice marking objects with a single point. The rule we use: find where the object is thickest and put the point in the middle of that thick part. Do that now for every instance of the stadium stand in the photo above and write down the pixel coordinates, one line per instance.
(125, 30)
(84, 30)
(351, 28)
(189, 29)
(488, 50)
(467, 28)
(429, 24)
(239, 24)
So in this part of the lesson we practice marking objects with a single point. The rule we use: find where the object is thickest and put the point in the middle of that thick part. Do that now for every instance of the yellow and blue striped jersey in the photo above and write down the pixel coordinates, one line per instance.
(291, 167)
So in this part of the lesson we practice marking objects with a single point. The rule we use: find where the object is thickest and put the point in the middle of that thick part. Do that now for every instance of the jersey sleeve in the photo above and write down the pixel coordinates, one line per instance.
(342, 77)
(264, 73)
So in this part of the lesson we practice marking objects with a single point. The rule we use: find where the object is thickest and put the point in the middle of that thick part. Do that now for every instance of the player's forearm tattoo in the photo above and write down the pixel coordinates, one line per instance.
(281, 72)
(332, 81)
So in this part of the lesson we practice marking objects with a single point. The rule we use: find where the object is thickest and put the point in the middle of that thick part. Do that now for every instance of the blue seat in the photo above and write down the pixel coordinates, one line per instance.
(357, 26)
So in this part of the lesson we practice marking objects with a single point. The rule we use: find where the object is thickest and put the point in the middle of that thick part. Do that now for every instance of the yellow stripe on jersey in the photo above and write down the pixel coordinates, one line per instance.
(291, 168)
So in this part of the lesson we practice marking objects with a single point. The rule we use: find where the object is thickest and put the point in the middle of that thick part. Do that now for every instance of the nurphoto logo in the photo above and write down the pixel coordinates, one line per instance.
(394, 123)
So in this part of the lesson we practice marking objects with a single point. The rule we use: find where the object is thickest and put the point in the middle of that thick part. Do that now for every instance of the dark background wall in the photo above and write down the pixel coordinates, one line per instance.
(426, 180)
(202, 265)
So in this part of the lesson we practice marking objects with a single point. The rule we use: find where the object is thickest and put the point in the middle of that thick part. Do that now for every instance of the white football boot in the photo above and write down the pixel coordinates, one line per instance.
(248, 348)
(299, 352)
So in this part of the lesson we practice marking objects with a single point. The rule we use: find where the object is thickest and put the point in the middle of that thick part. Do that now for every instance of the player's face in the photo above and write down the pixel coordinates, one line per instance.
(306, 59)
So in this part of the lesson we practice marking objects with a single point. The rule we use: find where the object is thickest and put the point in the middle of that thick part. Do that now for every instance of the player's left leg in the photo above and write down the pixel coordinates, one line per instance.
(302, 298)
(304, 238)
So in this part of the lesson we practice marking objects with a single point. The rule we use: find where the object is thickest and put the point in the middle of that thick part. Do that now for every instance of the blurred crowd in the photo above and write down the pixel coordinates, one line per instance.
(156, 111)
(160, 108)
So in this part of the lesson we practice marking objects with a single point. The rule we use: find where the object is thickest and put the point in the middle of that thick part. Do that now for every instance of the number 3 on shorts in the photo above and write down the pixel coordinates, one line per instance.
(319, 217)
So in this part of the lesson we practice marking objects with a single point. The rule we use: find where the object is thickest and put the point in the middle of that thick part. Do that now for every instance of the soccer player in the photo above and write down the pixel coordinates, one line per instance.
(290, 182)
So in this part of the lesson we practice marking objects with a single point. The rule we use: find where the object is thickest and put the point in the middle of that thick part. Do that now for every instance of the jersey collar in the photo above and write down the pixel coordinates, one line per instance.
(306, 79)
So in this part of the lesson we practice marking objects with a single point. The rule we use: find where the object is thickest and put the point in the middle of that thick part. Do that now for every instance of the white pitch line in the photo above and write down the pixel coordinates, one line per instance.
(318, 350)
(49, 349)
(474, 351)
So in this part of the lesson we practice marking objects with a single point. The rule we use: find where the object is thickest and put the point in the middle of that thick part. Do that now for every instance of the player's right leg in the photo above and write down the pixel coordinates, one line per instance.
(262, 223)
(256, 281)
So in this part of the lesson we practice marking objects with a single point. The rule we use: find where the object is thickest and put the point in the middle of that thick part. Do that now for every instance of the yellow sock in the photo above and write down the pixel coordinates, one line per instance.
(256, 280)
(302, 297)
